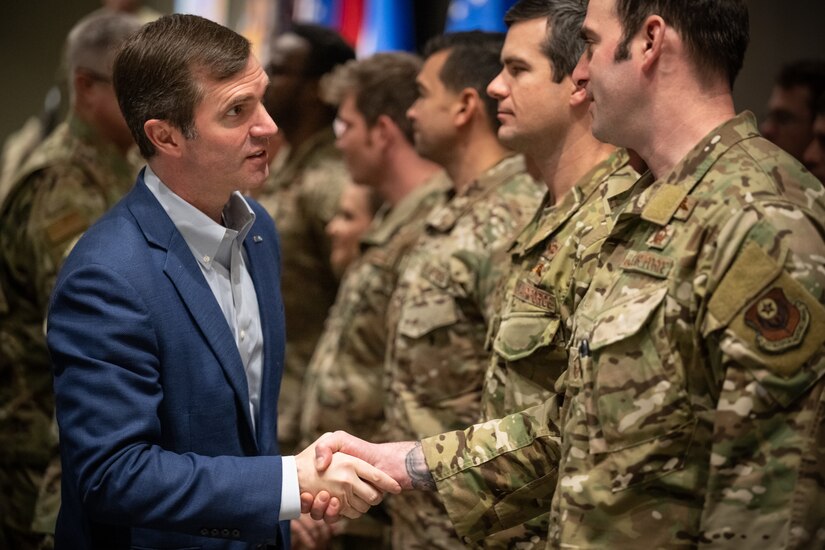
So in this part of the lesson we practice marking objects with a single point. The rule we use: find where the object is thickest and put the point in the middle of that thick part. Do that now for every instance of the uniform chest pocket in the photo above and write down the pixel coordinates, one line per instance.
(521, 334)
(639, 396)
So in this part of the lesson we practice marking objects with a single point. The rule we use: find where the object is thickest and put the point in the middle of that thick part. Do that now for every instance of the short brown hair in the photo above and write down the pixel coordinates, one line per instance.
(383, 84)
(715, 32)
(157, 72)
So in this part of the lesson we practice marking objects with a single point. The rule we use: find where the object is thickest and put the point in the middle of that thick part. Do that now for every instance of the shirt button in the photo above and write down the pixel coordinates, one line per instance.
(243, 335)
(206, 259)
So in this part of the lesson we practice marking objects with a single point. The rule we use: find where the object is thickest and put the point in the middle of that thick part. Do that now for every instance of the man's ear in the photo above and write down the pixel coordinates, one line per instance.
(652, 35)
(83, 83)
(165, 137)
(578, 94)
(384, 130)
(467, 103)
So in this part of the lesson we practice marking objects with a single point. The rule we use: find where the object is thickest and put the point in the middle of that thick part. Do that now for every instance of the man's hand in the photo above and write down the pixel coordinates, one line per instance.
(404, 461)
(309, 534)
(356, 484)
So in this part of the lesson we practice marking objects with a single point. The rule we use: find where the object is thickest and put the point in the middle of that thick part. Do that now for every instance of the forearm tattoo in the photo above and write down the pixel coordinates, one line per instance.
(418, 471)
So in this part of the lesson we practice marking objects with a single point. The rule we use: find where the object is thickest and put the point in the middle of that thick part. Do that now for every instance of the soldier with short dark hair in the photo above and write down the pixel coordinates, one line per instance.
(792, 105)
(437, 355)
(692, 401)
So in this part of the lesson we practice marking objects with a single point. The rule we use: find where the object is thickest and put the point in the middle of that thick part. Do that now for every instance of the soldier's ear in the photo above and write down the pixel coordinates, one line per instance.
(166, 138)
(466, 106)
(578, 94)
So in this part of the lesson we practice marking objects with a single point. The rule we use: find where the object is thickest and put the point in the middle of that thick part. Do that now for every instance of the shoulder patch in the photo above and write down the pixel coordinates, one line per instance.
(783, 327)
(779, 323)
(750, 273)
(66, 227)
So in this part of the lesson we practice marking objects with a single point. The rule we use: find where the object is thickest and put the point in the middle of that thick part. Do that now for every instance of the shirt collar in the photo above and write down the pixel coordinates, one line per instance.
(208, 240)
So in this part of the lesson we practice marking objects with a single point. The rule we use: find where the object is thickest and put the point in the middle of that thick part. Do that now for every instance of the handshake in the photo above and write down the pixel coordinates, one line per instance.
(342, 475)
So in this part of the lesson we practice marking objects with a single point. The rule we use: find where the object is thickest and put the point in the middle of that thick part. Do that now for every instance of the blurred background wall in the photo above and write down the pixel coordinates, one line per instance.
(32, 33)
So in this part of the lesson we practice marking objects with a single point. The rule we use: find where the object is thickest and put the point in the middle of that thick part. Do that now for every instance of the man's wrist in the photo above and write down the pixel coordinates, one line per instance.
(417, 470)
(290, 491)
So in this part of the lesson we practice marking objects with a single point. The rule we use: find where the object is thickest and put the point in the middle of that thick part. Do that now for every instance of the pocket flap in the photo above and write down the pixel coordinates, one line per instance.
(519, 335)
(625, 319)
(434, 310)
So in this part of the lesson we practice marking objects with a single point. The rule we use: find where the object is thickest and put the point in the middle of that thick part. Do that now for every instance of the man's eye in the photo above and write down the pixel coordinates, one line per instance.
(235, 111)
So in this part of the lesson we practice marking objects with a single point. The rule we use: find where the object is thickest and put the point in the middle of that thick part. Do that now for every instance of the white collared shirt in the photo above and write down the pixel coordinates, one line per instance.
(222, 259)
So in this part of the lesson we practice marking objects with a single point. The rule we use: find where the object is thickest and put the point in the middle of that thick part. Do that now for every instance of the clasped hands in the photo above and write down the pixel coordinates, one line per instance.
(342, 475)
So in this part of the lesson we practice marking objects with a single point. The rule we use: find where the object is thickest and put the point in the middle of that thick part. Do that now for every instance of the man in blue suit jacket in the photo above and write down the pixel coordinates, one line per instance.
(166, 326)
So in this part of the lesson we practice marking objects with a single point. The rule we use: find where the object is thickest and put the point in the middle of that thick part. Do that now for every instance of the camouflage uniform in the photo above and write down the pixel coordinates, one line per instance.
(693, 403)
(302, 195)
(69, 181)
(552, 263)
(347, 367)
(436, 357)
(342, 388)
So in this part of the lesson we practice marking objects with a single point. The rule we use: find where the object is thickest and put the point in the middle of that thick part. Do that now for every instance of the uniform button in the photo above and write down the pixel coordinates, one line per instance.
(215, 532)
(205, 532)
(224, 532)
(236, 533)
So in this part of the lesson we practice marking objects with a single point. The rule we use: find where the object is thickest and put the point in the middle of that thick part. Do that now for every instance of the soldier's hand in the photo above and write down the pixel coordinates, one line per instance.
(356, 484)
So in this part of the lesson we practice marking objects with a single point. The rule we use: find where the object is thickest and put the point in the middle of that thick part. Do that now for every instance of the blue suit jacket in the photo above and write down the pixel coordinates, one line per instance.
(157, 444)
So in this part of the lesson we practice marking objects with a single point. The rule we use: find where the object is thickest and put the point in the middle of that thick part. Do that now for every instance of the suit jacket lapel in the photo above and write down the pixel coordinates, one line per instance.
(262, 268)
(183, 270)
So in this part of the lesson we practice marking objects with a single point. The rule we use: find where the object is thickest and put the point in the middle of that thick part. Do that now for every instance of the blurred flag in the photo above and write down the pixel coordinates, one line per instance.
(321, 12)
(388, 25)
(352, 17)
(484, 15)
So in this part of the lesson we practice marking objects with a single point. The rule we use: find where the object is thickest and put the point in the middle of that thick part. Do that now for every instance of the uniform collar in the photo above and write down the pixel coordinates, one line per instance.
(659, 200)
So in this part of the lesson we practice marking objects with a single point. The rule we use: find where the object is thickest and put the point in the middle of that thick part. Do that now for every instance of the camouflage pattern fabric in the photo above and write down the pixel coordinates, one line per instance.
(302, 195)
(345, 376)
(69, 181)
(436, 357)
(550, 268)
(693, 402)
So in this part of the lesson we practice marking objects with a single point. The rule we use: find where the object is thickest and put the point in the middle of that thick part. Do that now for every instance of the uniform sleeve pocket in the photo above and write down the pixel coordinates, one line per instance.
(431, 311)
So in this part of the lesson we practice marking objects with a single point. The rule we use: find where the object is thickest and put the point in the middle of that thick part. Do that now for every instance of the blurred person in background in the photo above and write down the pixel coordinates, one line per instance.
(69, 180)
(344, 387)
(437, 352)
(814, 157)
(302, 194)
(356, 210)
(789, 122)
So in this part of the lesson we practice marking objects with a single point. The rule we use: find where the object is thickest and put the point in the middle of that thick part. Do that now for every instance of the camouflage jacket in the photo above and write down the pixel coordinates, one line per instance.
(436, 357)
(69, 181)
(550, 268)
(344, 378)
(302, 194)
(693, 400)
